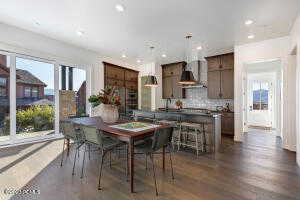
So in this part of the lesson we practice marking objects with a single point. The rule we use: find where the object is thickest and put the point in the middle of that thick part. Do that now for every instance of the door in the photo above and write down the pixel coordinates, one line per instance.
(213, 84)
(227, 87)
(260, 103)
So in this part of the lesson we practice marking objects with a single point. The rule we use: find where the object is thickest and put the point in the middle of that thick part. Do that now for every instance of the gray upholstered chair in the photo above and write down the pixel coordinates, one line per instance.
(162, 138)
(70, 132)
(105, 144)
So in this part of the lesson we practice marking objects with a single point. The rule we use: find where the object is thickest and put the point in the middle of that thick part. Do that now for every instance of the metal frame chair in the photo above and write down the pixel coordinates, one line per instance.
(162, 138)
(104, 143)
(71, 132)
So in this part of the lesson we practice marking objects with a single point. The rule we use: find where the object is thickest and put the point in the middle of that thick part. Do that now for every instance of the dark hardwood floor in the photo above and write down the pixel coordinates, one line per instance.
(256, 169)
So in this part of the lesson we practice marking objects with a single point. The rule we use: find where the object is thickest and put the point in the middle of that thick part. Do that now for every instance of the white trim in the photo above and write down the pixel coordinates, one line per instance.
(12, 97)
(12, 143)
(56, 97)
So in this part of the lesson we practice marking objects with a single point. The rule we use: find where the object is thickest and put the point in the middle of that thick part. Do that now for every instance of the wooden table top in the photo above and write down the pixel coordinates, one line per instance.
(97, 123)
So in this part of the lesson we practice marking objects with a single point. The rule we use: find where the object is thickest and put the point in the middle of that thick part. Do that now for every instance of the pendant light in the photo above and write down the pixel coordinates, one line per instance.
(151, 80)
(187, 77)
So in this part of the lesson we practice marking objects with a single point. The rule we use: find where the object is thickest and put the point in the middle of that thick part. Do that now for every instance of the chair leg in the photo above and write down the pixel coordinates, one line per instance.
(100, 173)
(153, 168)
(179, 138)
(204, 138)
(62, 154)
(171, 165)
(89, 149)
(76, 152)
(197, 144)
(110, 159)
(146, 162)
(83, 161)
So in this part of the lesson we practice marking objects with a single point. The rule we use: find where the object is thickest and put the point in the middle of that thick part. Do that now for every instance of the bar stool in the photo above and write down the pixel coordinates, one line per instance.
(195, 130)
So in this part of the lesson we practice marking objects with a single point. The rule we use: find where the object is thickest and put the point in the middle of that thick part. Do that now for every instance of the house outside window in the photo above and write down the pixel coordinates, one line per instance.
(3, 87)
(27, 92)
(34, 92)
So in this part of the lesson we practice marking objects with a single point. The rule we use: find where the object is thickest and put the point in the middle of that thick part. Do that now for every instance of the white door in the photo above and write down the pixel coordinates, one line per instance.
(260, 103)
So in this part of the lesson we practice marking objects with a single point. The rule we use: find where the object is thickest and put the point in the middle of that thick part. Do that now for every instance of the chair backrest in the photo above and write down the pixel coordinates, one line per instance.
(161, 138)
(67, 129)
(92, 135)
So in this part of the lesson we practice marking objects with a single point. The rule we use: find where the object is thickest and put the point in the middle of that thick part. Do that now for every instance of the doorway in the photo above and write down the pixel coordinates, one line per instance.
(263, 97)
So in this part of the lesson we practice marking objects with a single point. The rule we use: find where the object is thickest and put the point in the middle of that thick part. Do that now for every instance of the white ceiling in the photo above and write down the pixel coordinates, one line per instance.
(215, 24)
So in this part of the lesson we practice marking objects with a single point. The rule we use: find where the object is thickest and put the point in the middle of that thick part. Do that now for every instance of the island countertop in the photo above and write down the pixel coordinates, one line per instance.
(212, 121)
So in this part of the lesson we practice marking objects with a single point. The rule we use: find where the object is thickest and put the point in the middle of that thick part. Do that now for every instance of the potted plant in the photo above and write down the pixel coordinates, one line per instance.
(105, 104)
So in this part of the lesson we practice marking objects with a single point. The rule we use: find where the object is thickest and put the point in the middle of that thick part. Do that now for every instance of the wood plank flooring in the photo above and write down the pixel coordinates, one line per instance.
(257, 169)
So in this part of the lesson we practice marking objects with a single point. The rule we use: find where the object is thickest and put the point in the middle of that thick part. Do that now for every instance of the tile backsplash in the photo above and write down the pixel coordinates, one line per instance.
(197, 98)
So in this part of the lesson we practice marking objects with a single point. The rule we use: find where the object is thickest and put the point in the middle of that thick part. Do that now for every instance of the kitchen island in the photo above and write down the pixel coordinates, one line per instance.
(212, 121)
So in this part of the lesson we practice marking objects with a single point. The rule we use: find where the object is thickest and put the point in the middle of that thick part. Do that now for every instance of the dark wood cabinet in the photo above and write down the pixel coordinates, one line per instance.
(213, 84)
(220, 76)
(126, 83)
(227, 79)
(227, 123)
(171, 74)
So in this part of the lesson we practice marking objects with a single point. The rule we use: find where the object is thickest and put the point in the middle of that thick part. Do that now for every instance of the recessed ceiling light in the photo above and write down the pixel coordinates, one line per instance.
(80, 32)
(119, 8)
(37, 23)
(164, 55)
(138, 61)
(250, 36)
(123, 56)
(248, 22)
(199, 47)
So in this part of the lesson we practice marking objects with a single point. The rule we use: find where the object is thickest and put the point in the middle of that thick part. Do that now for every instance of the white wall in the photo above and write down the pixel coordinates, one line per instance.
(257, 52)
(295, 51)
(20, 41)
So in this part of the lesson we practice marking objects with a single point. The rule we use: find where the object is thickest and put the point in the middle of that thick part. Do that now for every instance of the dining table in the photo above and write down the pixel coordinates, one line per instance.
(130, 137)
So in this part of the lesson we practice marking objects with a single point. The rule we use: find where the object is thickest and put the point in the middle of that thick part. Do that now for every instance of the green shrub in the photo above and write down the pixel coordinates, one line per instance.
(35, 118)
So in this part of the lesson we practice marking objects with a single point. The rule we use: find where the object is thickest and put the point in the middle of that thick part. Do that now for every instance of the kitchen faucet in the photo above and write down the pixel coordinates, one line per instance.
(167, 103)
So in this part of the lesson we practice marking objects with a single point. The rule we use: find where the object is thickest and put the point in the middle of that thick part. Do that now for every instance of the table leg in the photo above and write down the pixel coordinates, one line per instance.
(131, 164)
(68, 147)
(163, 158)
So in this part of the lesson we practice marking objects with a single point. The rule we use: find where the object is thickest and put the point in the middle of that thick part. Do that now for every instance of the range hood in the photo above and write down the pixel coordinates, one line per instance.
(195, 66)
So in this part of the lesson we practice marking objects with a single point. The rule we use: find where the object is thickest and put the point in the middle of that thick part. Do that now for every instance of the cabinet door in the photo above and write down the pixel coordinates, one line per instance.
(177, 89)
(115, 72)
(213, 63)
(213, 84)
(131, 84)
(172, 69)
(227, 124)
(131, 75)
(227, 84)
(167, 87)
(227, 61)
(113, 82)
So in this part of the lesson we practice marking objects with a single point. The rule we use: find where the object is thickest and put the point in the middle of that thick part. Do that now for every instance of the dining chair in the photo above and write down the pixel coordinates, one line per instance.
(162, 138)
(71, 132)
(105, 144)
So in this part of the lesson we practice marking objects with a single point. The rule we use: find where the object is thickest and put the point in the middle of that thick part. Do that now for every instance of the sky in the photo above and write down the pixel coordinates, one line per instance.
(45, 72)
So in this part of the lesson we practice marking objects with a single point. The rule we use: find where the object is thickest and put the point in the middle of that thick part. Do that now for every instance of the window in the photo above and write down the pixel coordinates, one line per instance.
(34, 92)
(260, 96)
(3, 87)
(27, 92)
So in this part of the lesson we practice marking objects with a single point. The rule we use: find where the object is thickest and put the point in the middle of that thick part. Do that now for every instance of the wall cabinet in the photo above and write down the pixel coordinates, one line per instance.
(126, 83)
(171, 74)
(220, 76)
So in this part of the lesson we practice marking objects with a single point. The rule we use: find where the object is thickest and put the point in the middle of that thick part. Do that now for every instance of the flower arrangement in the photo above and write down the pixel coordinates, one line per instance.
(106, 96)
(178, 103)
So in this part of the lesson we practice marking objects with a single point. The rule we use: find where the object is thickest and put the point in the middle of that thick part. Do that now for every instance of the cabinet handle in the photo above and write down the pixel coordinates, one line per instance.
(172, 73)
(220, 95)
(221, 66)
